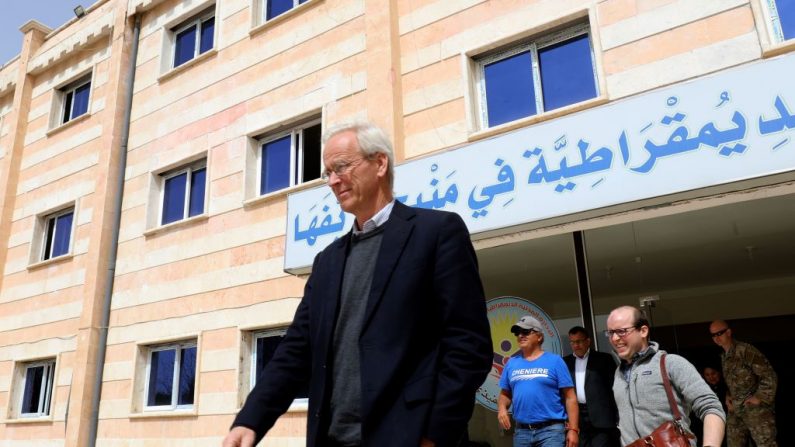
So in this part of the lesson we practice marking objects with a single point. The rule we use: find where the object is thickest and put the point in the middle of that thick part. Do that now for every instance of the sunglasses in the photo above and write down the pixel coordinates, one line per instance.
(719, 333)
(519, 332)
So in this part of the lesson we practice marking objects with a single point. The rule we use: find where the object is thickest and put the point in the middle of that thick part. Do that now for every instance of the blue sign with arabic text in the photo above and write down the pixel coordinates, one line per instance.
(735, 125)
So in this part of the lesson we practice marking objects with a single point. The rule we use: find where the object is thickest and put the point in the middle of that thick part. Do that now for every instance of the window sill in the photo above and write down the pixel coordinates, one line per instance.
(286, 16)
(192, 413)
(30, 420)
(51, 261)
(535, 119)
(184, 222)
(68, 124)
(778, 49)
(196, 60)
(282, 193)
(299, 406)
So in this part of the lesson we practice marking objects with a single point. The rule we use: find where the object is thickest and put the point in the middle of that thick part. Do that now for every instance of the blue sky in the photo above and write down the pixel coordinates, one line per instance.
(52, 13)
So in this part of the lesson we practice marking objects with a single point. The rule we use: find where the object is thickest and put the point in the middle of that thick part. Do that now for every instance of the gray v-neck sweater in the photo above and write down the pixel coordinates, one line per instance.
(346, 392)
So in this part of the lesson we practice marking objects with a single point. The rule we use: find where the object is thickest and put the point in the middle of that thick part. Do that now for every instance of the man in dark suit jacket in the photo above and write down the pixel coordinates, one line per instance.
(391, 334)
(593, 372)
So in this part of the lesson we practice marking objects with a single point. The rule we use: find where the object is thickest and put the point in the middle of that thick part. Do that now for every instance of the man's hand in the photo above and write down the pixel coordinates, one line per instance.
(504, 419)
(240, 437)
(572, 438)
(425, 442)
(752, 401)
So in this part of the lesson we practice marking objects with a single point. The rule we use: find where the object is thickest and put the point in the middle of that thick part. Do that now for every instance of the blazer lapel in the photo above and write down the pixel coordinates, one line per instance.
(396, 235)
(332, 285)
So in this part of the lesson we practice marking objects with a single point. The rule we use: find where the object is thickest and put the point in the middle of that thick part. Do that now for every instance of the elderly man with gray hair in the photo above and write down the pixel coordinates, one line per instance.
(391, 334)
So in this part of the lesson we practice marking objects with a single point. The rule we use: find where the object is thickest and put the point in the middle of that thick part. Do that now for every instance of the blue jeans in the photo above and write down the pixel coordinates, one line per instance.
(551, 436)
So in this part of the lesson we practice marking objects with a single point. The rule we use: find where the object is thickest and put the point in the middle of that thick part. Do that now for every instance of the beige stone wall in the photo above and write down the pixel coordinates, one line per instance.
(215, 278)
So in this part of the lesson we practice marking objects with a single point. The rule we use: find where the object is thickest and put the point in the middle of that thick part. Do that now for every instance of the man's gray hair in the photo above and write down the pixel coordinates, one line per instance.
(371, 139)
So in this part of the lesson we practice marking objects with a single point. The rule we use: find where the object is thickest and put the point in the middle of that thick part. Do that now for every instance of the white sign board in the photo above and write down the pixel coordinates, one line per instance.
(735, 125)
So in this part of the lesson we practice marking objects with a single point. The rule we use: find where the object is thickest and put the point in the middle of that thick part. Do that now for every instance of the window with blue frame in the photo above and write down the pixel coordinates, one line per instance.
(75, 99)
(183, 193)
(289, 158)
(57, 234)
(538, 76)
(36, 386)
(263, 347)
(275, 8)
(782, 19)
(194, 37)
(170, 376)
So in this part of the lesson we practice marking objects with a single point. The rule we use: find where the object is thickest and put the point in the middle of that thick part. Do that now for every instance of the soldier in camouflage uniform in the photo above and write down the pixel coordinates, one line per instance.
(752, 390)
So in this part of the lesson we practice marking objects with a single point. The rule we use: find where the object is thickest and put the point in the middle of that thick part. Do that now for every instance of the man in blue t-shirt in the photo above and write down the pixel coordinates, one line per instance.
(536, 384)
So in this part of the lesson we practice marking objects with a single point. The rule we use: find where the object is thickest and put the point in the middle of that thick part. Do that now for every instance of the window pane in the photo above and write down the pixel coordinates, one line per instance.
(187, 375)
(786, 14)
(81, 100)
(197, 185)
(161, 378)
(174, 198)
(266, 347)
(510, 93)
(67, 107)
(185, 47)
(208, 30)
(63, 231)
(277, 7)
(275, 165)
(311, 153)
(32, 394)
(49, 238)
(567, 74)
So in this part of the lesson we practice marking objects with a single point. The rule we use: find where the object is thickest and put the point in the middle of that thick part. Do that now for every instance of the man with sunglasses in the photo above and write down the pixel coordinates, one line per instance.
(538, 387)
(638, 384)
(391, 335)
(752, 390)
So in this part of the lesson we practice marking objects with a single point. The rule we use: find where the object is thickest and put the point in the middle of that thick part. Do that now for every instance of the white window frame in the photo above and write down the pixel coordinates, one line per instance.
(197, 22)
(202, 164)
(296, 154)
(175, 381)
(72, 88)
(264, 14)
(45, 237)
(47, 388)
(533, 47)
(256, 335)
(773, 20)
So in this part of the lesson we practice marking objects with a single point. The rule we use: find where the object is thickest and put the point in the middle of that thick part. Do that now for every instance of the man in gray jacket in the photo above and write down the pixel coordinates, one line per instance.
(638, 385)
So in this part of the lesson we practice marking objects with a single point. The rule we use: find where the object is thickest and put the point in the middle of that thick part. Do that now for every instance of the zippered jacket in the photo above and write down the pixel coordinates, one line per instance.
(641, 399)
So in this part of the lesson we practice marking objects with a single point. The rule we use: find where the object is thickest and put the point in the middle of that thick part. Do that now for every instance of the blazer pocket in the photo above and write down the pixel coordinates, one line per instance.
(419, 390)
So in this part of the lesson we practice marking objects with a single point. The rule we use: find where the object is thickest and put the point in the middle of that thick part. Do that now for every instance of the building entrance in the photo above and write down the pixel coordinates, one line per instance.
(733, 262)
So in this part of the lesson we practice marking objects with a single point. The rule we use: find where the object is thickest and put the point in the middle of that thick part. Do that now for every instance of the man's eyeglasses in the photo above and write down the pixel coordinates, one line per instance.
(622, 332)
(519, 332)
(719, 333)
(341, 168)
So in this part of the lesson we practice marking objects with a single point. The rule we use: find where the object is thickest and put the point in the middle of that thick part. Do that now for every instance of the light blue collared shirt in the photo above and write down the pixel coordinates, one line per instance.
(376, 221)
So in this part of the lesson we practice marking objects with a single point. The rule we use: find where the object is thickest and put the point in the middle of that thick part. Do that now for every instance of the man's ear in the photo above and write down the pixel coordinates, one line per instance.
(383, 163)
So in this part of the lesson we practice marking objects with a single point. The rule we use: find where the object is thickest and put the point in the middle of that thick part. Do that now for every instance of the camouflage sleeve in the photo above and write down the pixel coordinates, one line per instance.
(768, 381)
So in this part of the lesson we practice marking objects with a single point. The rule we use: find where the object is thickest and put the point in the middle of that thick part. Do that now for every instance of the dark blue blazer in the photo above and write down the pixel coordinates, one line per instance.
(425, 345)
